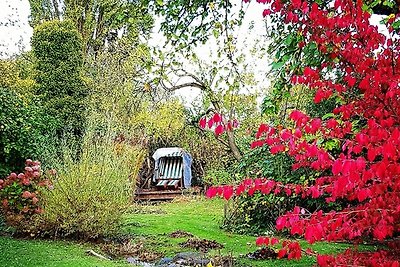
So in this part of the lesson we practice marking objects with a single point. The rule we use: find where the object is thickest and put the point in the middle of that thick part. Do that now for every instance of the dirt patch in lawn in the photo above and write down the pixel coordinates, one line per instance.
(180, 234)
(130, 248)
(202, 245)
(262, 254)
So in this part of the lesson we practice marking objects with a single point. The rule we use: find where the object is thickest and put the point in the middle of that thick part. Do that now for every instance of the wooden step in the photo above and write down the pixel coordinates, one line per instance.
(155, 195)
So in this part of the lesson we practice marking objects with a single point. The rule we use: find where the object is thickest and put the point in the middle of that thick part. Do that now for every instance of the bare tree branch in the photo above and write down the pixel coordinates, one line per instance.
(183, 85)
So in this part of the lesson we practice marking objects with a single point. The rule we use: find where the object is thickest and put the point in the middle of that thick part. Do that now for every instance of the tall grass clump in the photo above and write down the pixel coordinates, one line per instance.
(93, 186)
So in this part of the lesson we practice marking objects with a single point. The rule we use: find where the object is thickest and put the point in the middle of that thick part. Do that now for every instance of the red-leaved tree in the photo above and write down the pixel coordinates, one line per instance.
(364, 72)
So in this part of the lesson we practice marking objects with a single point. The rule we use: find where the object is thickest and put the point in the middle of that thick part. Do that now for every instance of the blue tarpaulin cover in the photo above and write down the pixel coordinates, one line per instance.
(175, 152)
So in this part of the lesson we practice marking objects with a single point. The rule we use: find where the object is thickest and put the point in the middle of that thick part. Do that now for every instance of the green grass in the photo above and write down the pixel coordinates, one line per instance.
(152, 224)
(201, 217)
(26, 253)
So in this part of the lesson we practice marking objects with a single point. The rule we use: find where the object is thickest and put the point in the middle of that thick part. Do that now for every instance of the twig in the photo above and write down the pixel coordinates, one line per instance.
(91, 252)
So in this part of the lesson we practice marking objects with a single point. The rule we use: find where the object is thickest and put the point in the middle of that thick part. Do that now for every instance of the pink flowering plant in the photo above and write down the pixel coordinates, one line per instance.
(20, 193)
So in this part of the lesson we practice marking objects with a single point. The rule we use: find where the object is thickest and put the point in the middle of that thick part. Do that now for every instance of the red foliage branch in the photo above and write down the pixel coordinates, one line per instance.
(218, 124)
(289, 249)
(367, 171)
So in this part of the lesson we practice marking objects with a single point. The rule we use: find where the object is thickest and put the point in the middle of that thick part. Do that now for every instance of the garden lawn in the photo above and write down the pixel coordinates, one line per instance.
(202, 217)
(26, 253)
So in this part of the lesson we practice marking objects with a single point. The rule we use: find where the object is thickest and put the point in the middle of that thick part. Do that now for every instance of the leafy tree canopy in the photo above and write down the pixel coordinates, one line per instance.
(100, 23)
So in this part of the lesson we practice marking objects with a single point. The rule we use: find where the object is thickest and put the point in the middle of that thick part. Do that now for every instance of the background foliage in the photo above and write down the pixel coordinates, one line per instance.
(98, 22)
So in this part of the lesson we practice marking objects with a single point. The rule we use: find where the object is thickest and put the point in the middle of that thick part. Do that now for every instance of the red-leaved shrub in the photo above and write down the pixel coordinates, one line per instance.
(362, 70)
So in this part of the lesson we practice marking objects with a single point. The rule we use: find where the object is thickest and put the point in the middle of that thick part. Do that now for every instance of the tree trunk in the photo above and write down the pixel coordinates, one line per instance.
(232, 145)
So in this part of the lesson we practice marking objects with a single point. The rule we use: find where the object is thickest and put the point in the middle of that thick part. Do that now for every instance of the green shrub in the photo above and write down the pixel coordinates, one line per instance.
(257, 214)
(26, 131)
(254, 214)
(218, 176)
(92, 190)
(57, 47)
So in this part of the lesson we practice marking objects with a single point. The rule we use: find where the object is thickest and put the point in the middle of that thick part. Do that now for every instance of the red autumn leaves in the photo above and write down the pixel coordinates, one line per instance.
(289, 249)
(365, 171)
(218, 124)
